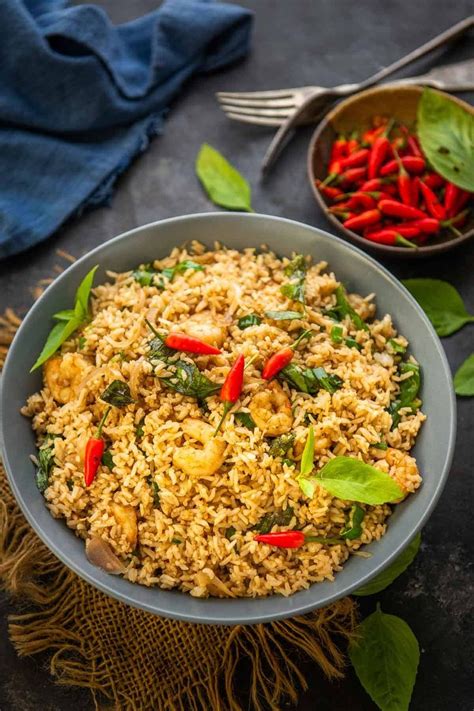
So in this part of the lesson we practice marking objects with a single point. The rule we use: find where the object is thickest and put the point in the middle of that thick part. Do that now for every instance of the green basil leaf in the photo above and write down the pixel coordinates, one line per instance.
(65, 315)
(107, 459)
(307, 458)
(441, 302)
(396, 347)
(307, 485)
(336, 334)
(276, 518)
(147, 275)
(139, 431)
(409, 389)
(245, 419)
(380, 445)
(45, 464)
(222, 182)
(294, 291)
(230, 532)
(284, 315)
(187, 379)
(294, 376)
(81, 342)
(155, 492)
(343, 308)
(317, 378)
(159, 350)
(83, 293)
(353, 527)
(387, 576)
(352, 479)
(176, 541)
(297, 266)
(352, 343)
(117, 394)
(385, 656)
(280, 446)
(250, 320)
(57, 336)
(464, 378)
(180, 268)
(446, 133)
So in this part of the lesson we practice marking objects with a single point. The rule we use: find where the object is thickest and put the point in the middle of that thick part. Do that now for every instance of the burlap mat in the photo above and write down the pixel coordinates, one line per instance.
(131, 659)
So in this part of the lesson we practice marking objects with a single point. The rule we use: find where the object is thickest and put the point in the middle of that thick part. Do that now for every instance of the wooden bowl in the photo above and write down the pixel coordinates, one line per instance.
(356, 112)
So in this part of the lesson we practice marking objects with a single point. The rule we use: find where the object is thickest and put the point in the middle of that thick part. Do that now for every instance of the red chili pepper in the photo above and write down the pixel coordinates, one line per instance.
(406, 229)
(373, 184)
(188, 344)
(398, 209)
(359, 200)
(433, 205)
(378, 154)
(461, 201)
(403, 181)
(371, 134)
(450, 198)
(328, 191)
(283, 539)
(338, 149)
(232, 387)
(358, 222)
(339, 207)
(415, 191)
(412, 142)
(356, 159)
(353, 143)
(281, 358)
(455, 222)
(433, 180)
(351, 176)
(391, 237)
(94, 450)
(413, 164)
(428, 225)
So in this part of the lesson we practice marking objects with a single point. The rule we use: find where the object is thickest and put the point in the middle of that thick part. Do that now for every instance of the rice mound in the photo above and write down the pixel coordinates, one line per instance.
(197, 532)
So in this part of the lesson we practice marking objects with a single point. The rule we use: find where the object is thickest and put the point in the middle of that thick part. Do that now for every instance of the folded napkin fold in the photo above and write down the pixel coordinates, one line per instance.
(80, 97)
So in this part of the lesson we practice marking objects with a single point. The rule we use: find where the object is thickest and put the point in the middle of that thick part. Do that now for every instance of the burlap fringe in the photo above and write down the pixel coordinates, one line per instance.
(60, 612)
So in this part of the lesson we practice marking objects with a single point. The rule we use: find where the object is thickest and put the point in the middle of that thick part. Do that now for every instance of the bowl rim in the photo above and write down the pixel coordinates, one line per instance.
(389, 250)
(220, 615)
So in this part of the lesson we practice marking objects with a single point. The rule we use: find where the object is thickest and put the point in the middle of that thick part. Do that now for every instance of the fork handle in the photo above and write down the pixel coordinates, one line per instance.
(438, 41)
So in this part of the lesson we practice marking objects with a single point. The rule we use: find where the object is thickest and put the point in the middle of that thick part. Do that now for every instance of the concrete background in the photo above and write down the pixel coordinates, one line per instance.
(295, 43)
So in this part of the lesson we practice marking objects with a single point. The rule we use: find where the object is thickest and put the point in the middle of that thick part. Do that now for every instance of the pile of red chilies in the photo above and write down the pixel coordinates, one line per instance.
(380, 186)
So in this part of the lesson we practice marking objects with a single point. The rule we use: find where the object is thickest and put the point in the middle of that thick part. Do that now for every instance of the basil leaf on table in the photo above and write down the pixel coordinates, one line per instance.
(387, 576)
(222, 182)
(446, 133)
(464, 377)
(385, 657)
(69, 321)
(245, 419)
(117, 394)
(441, 302)
(249, 320)
(351, 479)
(283, 315)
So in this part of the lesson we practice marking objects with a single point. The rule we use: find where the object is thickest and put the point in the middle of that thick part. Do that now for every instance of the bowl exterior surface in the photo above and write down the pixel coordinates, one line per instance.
(360, 273)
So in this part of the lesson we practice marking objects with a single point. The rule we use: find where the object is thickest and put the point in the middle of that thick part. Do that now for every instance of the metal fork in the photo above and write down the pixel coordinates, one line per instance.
(316, 102)
(271, 108)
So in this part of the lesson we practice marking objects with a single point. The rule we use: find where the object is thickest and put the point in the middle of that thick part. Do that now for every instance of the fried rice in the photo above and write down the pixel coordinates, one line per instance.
(180, 508)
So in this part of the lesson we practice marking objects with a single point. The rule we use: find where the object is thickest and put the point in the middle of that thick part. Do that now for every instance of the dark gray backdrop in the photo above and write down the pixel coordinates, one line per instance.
(295, 43)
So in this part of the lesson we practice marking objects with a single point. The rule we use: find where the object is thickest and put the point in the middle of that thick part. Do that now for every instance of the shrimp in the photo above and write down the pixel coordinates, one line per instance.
(403, 469)
(271, 410)
(202, 461)
(64, 374)
(205, 327)
(126, 518)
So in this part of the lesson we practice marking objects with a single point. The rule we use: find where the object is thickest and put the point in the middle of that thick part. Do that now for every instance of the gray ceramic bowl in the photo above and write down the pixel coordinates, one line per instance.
(434, 447)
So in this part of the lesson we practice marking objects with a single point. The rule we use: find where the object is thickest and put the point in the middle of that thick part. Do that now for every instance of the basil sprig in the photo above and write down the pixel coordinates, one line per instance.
(446, 133)
(296, 270)
(409, 389)
(249, 320)
(385, 655)
(45, 463)
(441, 302)
(464, 378)
(310, 380)
(68, 320)
(347, 478)
(187, 379)
(387, 576)
(224, 184)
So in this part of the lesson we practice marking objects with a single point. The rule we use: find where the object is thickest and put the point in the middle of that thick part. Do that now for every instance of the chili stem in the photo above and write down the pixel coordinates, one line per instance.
(102, 421)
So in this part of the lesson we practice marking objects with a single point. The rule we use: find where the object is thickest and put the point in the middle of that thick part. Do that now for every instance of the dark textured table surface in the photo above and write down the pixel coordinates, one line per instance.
(295, 43)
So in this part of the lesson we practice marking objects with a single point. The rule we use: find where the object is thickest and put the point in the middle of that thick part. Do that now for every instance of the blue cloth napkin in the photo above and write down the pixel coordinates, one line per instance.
(80, 97)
